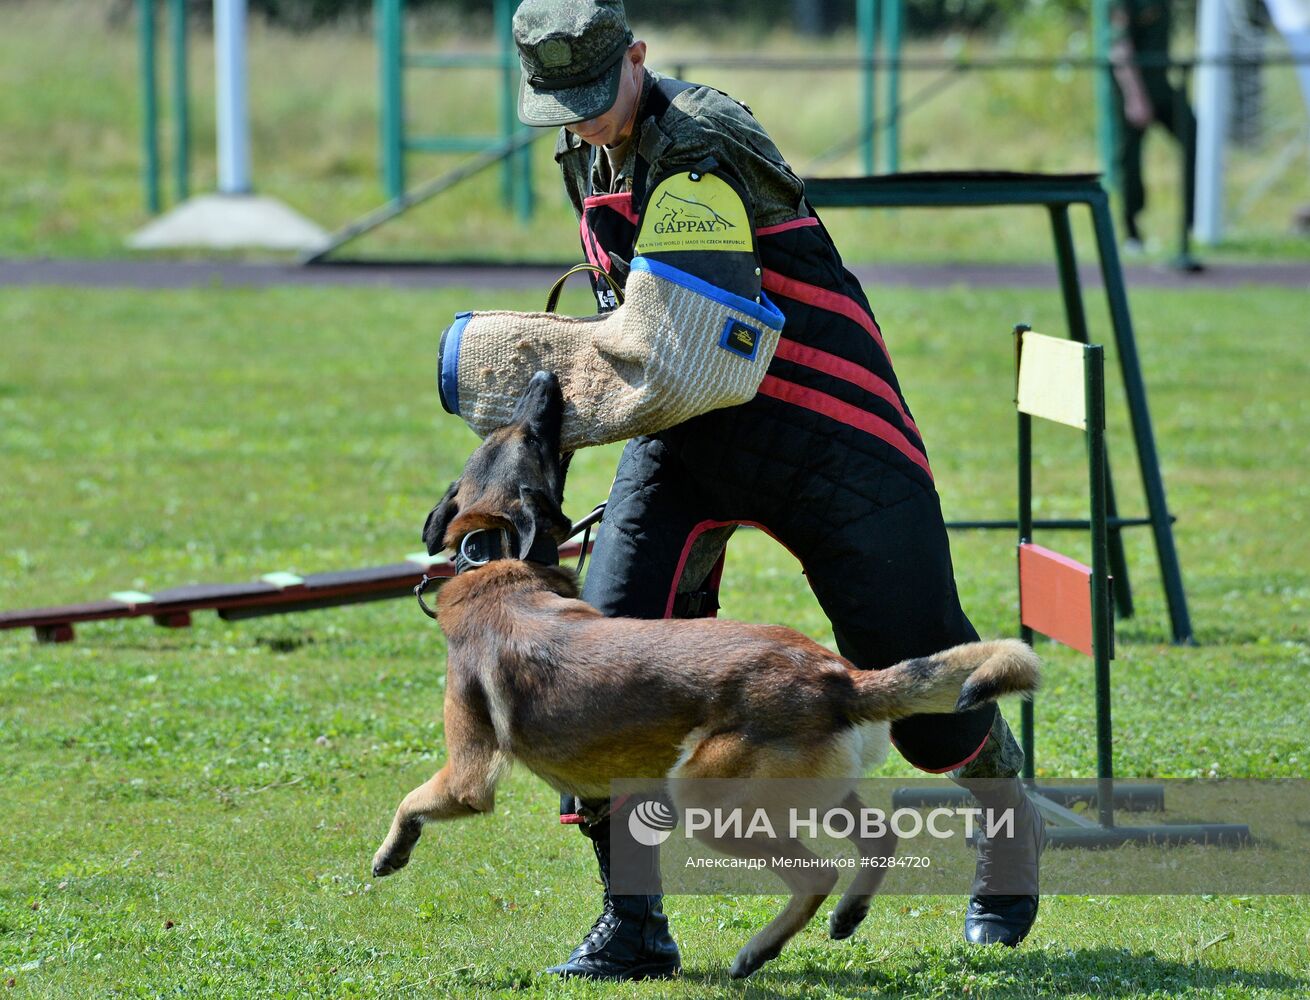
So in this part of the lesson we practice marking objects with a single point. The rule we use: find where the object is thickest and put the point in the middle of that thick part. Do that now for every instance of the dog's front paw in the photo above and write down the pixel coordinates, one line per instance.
(742, 966)
(750, 958)
(394, 853)
(388, 863)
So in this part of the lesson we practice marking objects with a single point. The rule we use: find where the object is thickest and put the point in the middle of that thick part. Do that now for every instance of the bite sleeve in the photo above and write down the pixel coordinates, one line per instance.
(679, 346)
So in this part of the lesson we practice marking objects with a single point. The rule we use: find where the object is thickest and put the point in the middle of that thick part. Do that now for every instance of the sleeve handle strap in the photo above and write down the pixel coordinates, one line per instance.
(552, 298)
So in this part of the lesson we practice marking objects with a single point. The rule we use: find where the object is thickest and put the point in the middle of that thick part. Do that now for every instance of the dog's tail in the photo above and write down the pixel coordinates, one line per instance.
(955, 680)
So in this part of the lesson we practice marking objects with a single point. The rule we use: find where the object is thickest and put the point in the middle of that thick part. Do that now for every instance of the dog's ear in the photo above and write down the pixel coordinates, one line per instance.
(439, 518)
(538, 512)
(564, 461)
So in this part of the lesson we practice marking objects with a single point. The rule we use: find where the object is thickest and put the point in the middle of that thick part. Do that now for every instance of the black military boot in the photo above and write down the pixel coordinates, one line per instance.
(1003, 904)
(630, 939)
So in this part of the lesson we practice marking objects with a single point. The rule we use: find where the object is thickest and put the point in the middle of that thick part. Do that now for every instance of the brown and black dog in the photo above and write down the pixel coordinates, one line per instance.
(537, 676)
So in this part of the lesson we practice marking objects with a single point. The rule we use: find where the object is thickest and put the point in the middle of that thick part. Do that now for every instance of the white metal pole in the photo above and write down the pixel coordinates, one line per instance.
(1214, 90)
(232, 111)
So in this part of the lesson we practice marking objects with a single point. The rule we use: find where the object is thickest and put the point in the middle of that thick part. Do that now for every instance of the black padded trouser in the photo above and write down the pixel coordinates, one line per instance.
(883, 576)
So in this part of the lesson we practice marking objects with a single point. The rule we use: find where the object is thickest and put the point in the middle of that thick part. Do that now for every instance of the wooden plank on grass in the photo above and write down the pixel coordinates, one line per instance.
(64, 614)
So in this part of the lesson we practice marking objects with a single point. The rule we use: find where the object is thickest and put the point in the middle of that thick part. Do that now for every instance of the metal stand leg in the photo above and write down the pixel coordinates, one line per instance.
(1102, 622)
(1076, 318)
(1025, 523)
(1135, 390)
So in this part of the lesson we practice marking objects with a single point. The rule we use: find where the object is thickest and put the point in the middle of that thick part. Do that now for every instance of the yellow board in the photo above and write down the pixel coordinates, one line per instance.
(1051, 382)
(700, 214)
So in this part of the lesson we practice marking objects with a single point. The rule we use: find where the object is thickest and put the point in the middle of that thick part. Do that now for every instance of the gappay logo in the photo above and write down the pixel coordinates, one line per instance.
(700, 214)
(684, 215)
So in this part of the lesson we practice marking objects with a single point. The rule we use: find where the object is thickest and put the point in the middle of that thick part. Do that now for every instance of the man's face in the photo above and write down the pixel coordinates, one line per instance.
(616, 124)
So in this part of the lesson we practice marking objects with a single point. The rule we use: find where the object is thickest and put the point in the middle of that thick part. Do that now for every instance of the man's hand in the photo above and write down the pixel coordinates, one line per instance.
(1137, 109)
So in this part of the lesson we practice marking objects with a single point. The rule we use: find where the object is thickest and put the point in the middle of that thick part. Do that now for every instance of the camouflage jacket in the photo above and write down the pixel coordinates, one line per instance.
(701, 122)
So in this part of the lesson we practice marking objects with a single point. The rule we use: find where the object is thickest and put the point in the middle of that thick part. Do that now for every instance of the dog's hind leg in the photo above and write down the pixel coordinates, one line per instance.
(809, 887)
(729, 755)
(853, 907)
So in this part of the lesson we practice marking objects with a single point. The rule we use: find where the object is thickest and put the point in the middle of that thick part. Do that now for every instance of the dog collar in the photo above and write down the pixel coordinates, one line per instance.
(485, 545)
(480, 547)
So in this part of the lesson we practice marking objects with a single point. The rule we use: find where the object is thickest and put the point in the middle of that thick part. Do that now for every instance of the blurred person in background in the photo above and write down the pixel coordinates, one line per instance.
(1139, 53)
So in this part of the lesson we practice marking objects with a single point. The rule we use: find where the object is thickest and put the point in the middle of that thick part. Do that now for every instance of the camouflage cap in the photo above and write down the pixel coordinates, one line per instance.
(572, 53)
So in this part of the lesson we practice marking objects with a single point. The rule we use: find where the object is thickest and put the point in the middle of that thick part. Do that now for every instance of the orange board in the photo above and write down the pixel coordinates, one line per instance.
(1055, 596)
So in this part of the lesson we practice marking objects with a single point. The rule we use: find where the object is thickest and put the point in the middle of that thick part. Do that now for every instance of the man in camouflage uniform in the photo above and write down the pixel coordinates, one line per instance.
(826, 457)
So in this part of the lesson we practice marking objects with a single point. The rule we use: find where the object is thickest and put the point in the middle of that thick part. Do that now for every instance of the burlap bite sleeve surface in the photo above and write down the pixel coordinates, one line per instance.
(677, 347)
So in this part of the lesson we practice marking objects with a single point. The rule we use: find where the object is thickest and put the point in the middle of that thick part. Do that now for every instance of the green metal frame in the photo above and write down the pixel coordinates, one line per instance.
(147, 30)
(1107, 123)
(1073, 829)
(388, 21)
(880, 21)
(419, 194)
(866, 30)
(893, 19)
(181, 116)
(1069, 828)
(149, 103)
(147, 49)
(394, 58)
(1055, 192)
(1102, 616)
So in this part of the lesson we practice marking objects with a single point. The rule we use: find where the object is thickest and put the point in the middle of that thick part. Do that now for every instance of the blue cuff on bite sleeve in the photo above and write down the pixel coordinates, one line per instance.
(448, 363)
(764, 310)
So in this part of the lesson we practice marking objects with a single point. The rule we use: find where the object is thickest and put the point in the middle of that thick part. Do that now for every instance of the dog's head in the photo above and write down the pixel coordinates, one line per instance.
(515, 478)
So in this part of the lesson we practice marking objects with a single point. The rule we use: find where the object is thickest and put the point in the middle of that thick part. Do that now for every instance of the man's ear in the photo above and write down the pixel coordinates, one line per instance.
(538, 512)
(439, 518)
(636, 54)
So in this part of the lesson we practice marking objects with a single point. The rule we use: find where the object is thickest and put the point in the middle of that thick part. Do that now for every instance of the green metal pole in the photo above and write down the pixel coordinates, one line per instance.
(1140, 415)
(150, 103)
(389, 19)
(866, 30)
(521, 161)
(1076, 319)
(1107, 124)
(1102, 627)
(508, 118)
(181, 110)
(893, 15)
(1026, 715)
(1185, 261)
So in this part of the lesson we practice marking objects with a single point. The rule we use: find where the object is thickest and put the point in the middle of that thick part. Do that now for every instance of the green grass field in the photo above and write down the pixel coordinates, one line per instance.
(70, 154)
(192, 812)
